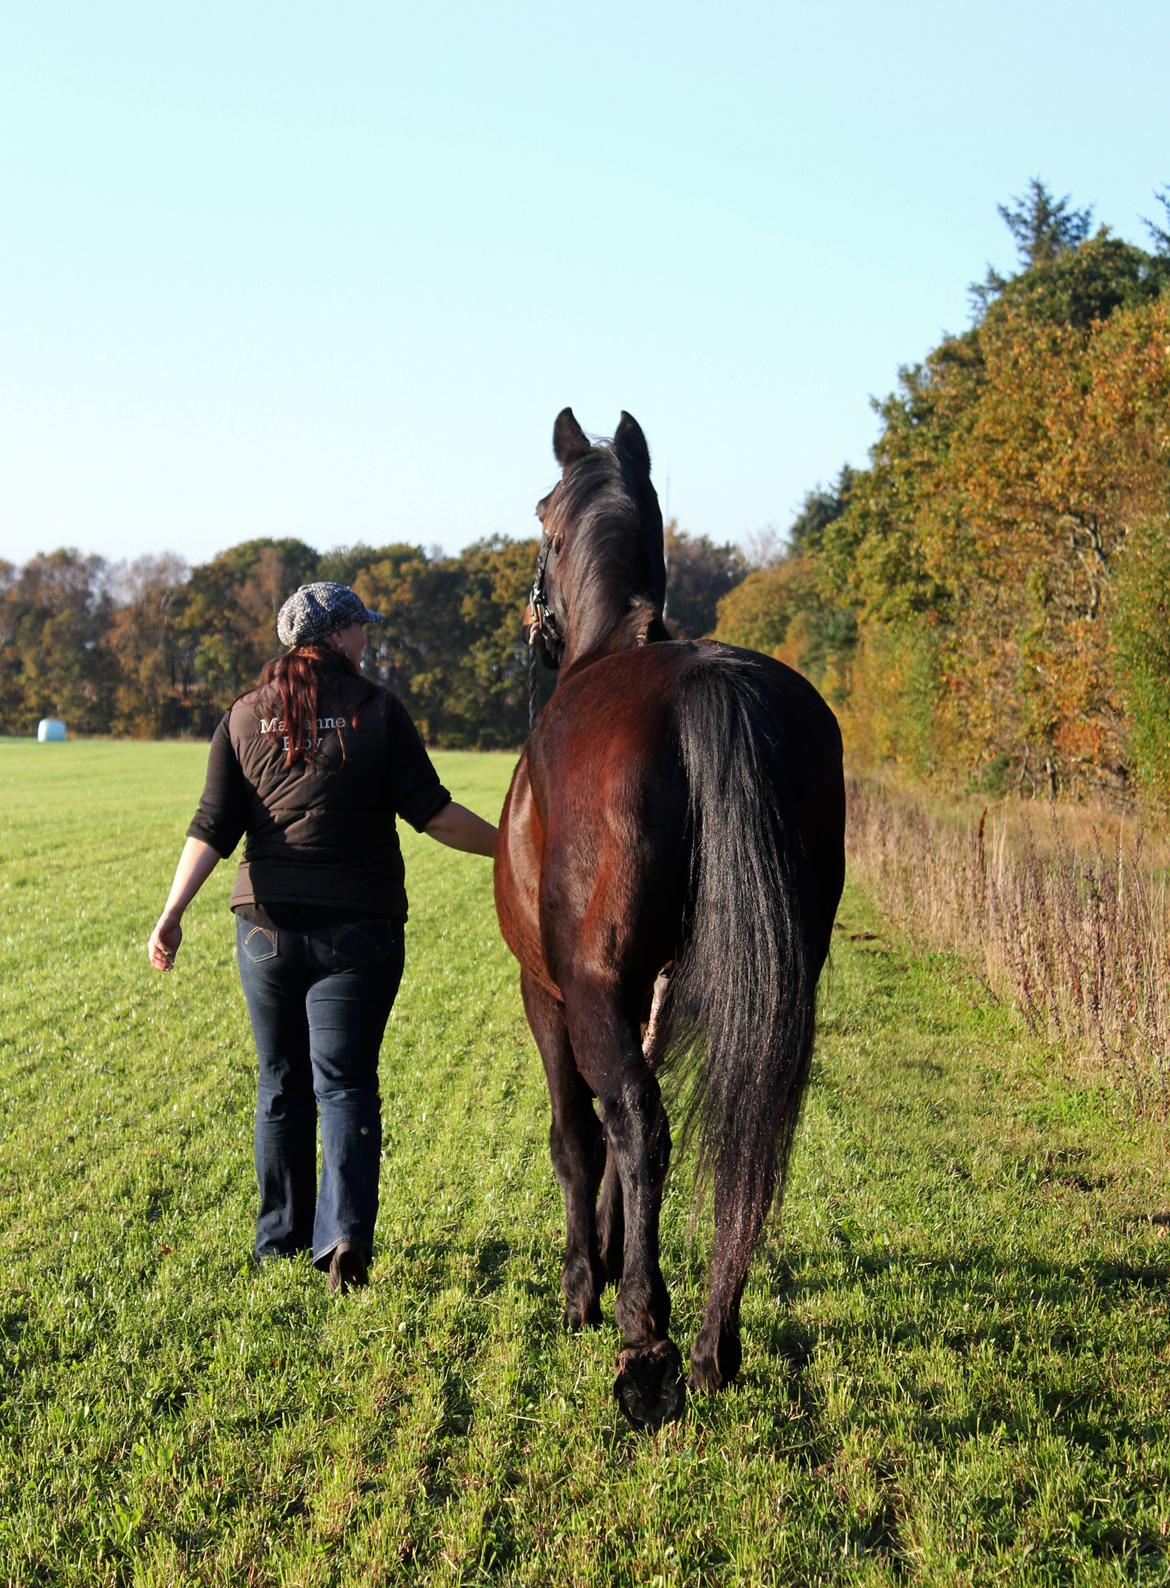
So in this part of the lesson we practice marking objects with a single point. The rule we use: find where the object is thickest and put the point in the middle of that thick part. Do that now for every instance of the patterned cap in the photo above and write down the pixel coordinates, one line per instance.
(316, 611)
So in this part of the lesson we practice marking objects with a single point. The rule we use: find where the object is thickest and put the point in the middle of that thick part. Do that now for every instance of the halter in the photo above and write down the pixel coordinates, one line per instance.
(543, 622)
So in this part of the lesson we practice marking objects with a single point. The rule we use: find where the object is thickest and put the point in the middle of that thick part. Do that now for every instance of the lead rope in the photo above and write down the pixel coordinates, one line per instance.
(532, 680)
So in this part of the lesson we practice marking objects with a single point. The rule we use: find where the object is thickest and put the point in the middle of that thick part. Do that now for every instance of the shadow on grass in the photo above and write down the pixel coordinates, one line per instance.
(978, 1274)
(1029, 1365)
(1041, 1315)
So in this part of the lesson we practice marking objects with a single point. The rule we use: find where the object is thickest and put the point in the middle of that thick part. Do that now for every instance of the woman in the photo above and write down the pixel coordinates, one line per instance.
(313, 765)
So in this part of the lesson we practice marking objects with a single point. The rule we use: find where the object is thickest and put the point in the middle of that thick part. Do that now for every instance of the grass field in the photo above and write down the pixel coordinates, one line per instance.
(957, 1349)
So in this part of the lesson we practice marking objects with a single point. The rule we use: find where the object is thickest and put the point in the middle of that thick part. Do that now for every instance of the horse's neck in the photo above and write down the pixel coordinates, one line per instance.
(638, 623)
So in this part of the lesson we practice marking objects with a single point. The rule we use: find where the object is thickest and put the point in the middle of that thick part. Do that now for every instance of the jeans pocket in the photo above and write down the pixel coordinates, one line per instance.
(358, 943)
(258, 943)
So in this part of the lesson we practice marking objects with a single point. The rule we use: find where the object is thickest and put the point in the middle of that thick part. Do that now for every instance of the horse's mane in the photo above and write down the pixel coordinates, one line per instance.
(609, 527)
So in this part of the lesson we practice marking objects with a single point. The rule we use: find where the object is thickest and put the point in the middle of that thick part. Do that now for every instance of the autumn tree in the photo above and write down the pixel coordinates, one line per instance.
(1141, 638)
(54, 613)
(343, 563)
(12, 706)
(228, 622)
(412, 651)
(698, 574)
(488, 700)
(759, 611)
(785, 608)
(981, 549)
(153, 665)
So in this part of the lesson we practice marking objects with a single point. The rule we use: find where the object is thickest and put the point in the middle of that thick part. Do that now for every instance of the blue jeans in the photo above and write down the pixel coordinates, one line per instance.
(319, 1002)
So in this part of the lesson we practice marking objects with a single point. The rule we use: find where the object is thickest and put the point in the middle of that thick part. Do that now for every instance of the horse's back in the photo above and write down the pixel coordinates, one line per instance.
(650, 673)
(599, 827)
(625, 708)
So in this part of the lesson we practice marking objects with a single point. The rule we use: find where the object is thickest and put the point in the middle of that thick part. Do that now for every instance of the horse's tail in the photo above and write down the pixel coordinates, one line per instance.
(741, 1002)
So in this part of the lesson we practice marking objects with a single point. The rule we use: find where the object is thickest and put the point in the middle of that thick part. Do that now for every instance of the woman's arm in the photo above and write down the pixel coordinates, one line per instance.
(459, 828)
(196, 863)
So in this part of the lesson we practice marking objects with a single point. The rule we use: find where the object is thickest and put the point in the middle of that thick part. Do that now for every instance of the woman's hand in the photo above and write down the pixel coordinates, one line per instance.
(164, 942)
(196, 863)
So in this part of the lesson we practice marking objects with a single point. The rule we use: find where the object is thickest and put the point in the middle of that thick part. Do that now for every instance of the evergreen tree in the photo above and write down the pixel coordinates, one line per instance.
(1160, 234)
(817, 512)
(1042, 227)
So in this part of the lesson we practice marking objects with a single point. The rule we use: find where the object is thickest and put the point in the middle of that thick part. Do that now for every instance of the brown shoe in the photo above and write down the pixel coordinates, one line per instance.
(349, 1268)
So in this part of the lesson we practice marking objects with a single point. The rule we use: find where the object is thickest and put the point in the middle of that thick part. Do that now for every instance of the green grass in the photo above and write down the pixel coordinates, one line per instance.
(957, 1350)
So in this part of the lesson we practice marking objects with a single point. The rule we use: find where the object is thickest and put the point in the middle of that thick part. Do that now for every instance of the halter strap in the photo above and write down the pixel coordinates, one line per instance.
(543, 623)
(543, 620)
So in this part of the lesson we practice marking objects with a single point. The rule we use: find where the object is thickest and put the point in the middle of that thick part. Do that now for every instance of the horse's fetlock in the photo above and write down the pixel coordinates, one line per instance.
(582, 1307)
(715, 1357)
(643, 1315)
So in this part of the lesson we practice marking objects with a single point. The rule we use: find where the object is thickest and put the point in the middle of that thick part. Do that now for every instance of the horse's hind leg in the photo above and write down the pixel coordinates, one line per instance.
(608, 1052)
(578, 1152)
(611, 1223)
(740, 1211)
(610, 1214)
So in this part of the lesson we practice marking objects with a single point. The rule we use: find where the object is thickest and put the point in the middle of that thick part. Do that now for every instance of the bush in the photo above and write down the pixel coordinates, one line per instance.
(1141, 640)
(893, 712)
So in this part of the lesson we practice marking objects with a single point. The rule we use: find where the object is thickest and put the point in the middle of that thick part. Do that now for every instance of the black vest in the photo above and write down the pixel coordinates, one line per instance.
(321, 831)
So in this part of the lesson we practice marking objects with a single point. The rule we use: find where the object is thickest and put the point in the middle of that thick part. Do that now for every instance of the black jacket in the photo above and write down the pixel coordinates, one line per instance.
(321, 832)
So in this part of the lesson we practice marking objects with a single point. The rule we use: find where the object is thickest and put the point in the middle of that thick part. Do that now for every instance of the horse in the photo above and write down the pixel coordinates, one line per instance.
(669, 863)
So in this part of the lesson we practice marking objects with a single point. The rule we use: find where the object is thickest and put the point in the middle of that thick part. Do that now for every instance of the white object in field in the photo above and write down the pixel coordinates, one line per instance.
(50, 731)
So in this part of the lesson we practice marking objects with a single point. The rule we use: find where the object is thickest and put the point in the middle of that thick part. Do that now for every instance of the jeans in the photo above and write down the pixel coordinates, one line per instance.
(319, 1002)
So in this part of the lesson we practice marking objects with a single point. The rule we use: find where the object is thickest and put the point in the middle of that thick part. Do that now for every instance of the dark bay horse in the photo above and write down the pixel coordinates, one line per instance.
(670, 858)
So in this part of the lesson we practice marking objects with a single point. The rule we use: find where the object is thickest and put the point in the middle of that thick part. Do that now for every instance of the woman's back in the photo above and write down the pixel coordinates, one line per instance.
(324, 824)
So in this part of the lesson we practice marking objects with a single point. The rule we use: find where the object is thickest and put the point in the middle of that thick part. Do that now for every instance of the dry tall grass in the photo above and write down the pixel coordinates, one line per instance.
(1065, 913)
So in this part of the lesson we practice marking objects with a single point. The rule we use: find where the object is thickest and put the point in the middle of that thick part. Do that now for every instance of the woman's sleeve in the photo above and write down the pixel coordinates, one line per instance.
(222, 817)
(416, 793)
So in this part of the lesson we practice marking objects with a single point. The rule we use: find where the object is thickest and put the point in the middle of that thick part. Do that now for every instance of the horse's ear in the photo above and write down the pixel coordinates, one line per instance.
(569, 441)
(628, 438)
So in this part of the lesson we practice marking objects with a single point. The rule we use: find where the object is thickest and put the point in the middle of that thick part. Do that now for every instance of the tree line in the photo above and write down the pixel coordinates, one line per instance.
(988, 602)
(155, 649)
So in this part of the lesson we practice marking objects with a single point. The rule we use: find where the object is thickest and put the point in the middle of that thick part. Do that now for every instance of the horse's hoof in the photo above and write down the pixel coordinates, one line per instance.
(577, 1318)
(715, 1370)
(649, 1384)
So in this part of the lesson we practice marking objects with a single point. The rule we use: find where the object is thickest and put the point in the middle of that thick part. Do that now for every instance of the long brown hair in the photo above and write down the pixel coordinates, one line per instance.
(297, 676)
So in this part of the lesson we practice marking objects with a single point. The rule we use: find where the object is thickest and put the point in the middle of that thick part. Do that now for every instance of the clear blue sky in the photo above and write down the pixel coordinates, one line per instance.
(331, 270)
